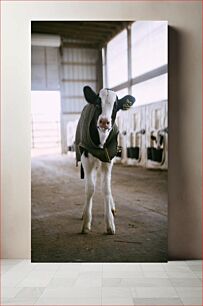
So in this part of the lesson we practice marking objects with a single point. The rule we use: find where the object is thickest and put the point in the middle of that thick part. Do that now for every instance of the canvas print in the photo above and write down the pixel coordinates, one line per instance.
(99, 123)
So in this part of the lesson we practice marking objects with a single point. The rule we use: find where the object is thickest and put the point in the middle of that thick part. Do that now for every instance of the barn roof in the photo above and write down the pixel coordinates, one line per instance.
(92, 34)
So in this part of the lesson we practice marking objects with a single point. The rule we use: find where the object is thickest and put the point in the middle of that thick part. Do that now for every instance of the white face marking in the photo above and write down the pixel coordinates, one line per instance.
(108, 97)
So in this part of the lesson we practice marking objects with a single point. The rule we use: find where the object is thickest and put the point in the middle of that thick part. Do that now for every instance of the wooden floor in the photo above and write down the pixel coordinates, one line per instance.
(57, 203)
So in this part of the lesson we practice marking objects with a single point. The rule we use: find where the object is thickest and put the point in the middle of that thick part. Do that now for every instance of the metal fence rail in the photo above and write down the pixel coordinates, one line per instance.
(45, 133)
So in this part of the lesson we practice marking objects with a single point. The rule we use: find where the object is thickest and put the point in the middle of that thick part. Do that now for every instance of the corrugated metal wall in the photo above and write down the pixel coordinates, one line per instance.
(45, 68)
(78, 68)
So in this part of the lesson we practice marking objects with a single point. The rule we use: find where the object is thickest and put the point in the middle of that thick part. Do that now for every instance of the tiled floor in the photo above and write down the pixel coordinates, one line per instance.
(173, 283)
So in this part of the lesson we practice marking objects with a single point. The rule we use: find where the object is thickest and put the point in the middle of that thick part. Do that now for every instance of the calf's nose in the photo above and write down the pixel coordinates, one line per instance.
(104, 123)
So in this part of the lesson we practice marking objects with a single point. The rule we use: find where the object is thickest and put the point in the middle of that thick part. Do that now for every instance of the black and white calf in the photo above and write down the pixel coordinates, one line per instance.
(96, 146)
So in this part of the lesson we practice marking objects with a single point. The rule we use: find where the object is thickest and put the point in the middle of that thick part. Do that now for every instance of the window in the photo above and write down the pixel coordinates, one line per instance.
(150, 91)
(149, 59)
(121, 93)
(117, 64)
(149, 46)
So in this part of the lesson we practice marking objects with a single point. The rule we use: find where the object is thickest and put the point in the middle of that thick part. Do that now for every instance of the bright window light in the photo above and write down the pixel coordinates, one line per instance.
(45, 107)
(117, 60)
(46, 104)
(121, 93)
(150, 91)
(149, 46)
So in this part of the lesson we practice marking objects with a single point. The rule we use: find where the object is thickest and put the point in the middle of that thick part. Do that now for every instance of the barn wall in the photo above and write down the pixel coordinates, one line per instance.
(45, 68)
(67, 70)
(78, 68)
(185, 231)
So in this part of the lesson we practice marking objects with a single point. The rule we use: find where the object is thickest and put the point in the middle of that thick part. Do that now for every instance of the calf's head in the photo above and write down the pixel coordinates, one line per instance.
(108, 105)
(108, 99)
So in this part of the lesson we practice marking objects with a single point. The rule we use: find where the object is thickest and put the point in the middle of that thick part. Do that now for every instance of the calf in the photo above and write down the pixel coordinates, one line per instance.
(96, 146)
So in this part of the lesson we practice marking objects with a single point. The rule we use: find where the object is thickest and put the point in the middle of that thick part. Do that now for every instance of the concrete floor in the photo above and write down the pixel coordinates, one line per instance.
(57, 203)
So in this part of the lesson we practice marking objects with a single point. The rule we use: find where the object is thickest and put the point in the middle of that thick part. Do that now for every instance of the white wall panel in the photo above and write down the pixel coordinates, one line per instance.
(79, 72)
(38, 76)
(76, 88)
(52, 56)
(44, 68)
(80, 55)
(38, 55)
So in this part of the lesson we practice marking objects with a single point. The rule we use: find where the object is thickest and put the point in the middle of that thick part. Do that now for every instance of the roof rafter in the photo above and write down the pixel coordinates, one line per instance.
(95, 33)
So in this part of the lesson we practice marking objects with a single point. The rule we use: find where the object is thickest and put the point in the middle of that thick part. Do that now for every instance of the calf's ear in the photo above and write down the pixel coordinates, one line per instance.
(90, 95)
(125, 103)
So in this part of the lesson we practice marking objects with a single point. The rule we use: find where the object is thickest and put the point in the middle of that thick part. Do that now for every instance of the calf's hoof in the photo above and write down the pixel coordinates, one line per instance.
(86, 229)
(111, 231)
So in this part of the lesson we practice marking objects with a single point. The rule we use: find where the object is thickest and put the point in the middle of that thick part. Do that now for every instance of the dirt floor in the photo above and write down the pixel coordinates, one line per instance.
(57, 204)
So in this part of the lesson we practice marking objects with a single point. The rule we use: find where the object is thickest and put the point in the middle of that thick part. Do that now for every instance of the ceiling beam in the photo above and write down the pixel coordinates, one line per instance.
(83, 27)
(71, 33)
(108, 24)
(80, 45)
(68, 27)
(97, 33)
(77, 36)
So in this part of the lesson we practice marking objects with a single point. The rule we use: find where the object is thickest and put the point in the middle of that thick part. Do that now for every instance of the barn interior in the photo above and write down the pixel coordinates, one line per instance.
(130, 57)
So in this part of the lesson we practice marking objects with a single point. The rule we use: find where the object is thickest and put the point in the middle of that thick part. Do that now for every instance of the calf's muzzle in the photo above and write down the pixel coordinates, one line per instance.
(104, 123)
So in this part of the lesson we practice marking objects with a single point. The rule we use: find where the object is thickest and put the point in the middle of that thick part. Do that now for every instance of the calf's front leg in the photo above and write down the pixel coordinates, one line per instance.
(90, 182)
(108, 199)
(87, 214)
